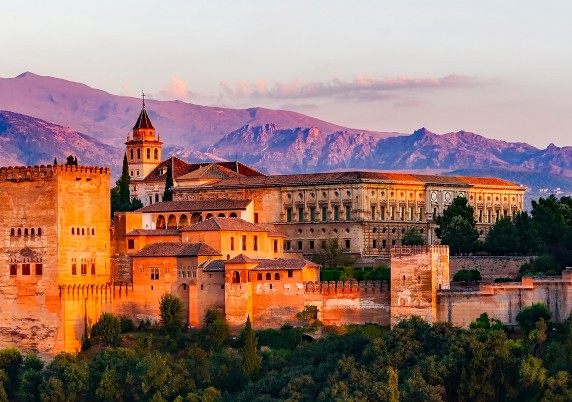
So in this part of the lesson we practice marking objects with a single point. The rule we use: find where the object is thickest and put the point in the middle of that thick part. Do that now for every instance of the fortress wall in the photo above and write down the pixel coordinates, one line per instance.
(490, 267)
(350, 302)
(504, 301)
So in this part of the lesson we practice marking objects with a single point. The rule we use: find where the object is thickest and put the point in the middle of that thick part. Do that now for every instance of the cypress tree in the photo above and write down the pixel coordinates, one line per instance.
(250, 358)
(123, 183)
(168, 195)
(393, 385)
(55, 161)
(75, 161)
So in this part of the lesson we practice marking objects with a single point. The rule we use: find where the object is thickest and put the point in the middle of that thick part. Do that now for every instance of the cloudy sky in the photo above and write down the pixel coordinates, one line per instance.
(499, 68)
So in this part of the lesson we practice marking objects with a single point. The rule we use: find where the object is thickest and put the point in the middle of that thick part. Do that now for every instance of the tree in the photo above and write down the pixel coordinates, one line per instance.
(393, 384)
(121, 195)
(215, 329)
(529, 241)
(168, 194)
(10, 360)
(71, 160)
(331, 255)
(107, 328)
(457, 227)
(31, 379)
(55, 161)
(308, 315)
(250, 358)
(171, 308)
(486, 323)
(467, 275)
(503, 238)
(413, 237)
(529, 316)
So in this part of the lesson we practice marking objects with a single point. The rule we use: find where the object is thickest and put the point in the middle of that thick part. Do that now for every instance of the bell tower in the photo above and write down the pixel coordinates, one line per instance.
(144, 149)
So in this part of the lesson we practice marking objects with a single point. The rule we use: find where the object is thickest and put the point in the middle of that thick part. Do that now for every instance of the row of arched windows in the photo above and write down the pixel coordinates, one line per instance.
(83, 231)
(268, 276)
(155, 153)
(25, 232)
(171, 222)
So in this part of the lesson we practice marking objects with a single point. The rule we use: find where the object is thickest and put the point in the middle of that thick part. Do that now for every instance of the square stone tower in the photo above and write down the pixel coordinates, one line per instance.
(417, 273)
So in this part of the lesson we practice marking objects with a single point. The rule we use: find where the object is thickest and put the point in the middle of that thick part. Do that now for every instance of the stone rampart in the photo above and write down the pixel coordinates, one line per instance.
(43, 172)
(490, 267)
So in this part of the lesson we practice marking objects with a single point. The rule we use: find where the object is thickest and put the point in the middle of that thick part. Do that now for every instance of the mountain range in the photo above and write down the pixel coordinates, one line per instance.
(72, 118)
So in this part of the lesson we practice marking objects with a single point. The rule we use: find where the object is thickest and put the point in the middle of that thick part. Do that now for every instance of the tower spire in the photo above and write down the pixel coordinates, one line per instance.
(143, 96)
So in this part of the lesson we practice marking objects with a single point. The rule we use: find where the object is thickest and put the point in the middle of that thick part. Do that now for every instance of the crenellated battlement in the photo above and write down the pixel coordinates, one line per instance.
(399, 251)
(47, 172)
(345, 287)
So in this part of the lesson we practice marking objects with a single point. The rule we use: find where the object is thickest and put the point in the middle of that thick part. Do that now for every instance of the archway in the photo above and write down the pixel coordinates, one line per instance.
(183, 220)
(221, 215)
(160, 222)
(233, 215)
(196, 217)
(172, 223)
(209, 216)
(183, 294)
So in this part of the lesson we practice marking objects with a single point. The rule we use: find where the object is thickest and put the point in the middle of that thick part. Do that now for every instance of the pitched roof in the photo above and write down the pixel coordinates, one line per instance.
(143, 122)
(230, 224)
(281, 263)
(211, 171)
(189, 206)
(171, 249)
(181, 168)
(353, 177)
(241, 259)
(153, 232)
(213, 265)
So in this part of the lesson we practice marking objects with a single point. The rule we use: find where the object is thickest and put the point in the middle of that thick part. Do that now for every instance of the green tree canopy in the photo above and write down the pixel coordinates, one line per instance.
(121, 195)
(457, 227)
(330, 254)
(107, 329)
(503, 238)
(250, 358)
(169, 183)
(413, 237)
(529, 316)
(171, 308)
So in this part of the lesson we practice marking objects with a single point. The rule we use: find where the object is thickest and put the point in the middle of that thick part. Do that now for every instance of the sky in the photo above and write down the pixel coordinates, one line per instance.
(502, 69)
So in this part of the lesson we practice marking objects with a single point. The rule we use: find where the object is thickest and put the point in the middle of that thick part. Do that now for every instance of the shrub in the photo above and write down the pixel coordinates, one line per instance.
(126, 324)
(467, 275)
(171, 312)
(107, 329)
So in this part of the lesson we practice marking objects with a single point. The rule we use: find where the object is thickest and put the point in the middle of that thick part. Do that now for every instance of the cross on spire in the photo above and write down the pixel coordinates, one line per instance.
(143, 96)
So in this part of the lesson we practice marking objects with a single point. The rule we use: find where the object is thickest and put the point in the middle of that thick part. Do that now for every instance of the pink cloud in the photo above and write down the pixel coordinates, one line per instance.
(177, 89)
(361, 87)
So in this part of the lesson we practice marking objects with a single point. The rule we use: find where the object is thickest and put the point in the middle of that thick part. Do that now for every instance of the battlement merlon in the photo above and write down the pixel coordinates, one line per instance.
(402, 251)
(47, 172)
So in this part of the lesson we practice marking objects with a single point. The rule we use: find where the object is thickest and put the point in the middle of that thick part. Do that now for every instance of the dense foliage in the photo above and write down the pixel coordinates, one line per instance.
(457, 227)
(413, 237)
(120, 194)
(413, 362)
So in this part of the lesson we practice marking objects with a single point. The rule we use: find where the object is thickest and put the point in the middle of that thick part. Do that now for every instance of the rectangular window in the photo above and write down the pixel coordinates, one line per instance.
(154, 274)
(300, 214)
(402, 213)
(150, 199)
(232, 243)
(374, 243)
(255, 245)
(13, 269)
(131, 244)
(287, 245)
(84, 269)
(324, 214)
(290, 273)
(420, 214)
(383, 244)
(348, 212)
(336, 213)
(93, 269)
(311, 244)
(312, 214)
(392, 213)
(256, 217)
(25, 269)
(480, 215)
(373, 212)
(74, 269)
(39, 269)
(288, 214)
(382, 217)
(299, 244)
(411, 213)
(275, 246)
(243, 242)
(347, 241)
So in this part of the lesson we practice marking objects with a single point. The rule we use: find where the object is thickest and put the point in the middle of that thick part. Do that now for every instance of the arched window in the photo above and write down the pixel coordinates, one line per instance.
(268, 276)
(26, 232)
(235, 277)
(259, 276)
(233, 215)
(160, 222)
(92, 231)
(39, 231)
(276, 276)
(32, 232)
(73, 231)
(196, 217)
(138, 153)
(12, 232)
(172, 223)
(209, 216)
(156, 154)
(148, 153)
(156, 197)
(19, 232)
(183, 220)
(131, 153)
(82, 231)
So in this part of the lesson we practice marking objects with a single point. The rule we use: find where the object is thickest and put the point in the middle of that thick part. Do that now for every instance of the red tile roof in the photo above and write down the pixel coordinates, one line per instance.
(171, 249)
(212, 171)
(190, 206)
(230, 224)
(143, 122)
(213, 265)
(153, 232)
(241, 259)
(281, 263)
